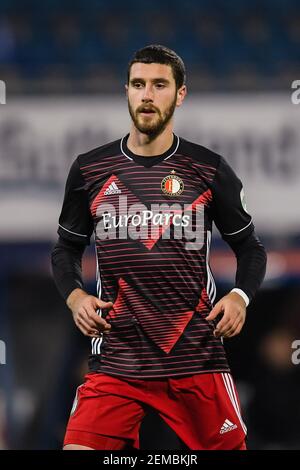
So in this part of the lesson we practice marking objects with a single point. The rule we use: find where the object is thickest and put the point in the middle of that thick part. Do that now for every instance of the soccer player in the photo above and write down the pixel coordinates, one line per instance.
(157, 338)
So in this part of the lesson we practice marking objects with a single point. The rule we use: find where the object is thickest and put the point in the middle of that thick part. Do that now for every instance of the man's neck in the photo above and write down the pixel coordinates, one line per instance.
(140, 144)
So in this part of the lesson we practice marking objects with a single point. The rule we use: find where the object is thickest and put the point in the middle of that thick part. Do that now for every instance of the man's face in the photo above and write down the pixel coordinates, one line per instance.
(152, 97)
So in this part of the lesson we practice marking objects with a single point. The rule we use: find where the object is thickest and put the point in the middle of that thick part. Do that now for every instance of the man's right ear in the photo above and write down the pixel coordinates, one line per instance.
(126, 88)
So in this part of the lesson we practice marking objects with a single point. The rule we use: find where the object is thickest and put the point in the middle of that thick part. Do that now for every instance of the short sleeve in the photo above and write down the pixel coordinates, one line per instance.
(228, 204)
(75, 221)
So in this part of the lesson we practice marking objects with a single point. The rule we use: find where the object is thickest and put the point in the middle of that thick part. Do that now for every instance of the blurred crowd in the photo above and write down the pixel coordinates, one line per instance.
(84, 45)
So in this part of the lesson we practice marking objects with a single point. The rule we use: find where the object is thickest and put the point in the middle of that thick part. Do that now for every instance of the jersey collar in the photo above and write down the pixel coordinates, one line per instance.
(155, 158)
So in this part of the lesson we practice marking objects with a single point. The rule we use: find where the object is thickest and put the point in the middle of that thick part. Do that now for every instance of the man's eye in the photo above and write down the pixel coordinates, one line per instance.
(137, 85)
(160, 85)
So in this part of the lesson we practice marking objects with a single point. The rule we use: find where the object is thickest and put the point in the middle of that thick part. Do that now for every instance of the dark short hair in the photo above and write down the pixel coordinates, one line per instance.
(158, 54)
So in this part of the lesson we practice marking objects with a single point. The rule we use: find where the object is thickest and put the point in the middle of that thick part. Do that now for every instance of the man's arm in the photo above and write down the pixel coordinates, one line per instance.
(236, 227)
(251, 264)
(75, 229)
(66, 260)
(251, 267)
(66, 267)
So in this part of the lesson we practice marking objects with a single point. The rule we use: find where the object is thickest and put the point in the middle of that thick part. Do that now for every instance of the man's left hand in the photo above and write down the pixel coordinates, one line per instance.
(233, 308)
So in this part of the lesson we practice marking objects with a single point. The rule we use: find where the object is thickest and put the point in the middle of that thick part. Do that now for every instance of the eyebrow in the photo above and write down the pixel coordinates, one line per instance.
(154, 80)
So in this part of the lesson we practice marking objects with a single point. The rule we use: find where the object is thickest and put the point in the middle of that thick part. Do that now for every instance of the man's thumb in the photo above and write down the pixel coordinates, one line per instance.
(100, 303)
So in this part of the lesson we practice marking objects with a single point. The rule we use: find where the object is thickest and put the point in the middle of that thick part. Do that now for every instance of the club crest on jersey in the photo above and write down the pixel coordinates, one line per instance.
(172, 185)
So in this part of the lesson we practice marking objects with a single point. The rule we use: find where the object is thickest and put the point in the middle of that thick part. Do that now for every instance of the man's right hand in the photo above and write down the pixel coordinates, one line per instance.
(84, 307)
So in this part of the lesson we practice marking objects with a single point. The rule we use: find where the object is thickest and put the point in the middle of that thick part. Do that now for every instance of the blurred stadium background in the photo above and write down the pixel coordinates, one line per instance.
(63, 63)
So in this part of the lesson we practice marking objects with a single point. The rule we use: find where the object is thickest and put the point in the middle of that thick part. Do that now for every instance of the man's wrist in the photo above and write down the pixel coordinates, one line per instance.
(242, 294)
(74, 296)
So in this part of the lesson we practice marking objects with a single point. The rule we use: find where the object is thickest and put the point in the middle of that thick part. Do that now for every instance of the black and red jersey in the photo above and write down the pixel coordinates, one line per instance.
(152, 219)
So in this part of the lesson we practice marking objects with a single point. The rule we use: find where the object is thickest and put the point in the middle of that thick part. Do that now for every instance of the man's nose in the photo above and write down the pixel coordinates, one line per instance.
(148, 94)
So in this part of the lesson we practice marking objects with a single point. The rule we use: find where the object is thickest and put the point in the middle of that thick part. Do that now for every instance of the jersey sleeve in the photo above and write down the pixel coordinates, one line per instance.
(228, 202)
(75, 221)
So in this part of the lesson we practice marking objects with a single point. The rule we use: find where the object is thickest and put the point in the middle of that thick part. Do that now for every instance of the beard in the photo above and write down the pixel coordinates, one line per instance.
(154, 126)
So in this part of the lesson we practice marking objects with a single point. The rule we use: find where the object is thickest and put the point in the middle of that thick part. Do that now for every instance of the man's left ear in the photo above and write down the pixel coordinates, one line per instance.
(181, 93)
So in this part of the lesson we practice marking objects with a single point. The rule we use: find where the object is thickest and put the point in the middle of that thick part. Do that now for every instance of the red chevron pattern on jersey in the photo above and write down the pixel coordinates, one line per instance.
(153, 324)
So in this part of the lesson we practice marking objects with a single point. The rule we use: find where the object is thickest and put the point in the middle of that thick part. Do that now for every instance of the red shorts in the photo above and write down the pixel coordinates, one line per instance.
(202, 409)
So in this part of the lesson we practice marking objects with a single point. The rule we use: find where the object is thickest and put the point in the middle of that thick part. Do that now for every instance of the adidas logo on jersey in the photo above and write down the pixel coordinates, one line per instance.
(112, 189)
(227, 426)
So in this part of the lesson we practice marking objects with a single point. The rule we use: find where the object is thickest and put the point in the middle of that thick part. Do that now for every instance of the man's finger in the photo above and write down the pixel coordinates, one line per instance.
(90, 328)
(236, 330)
(229, 327)
(218, 308)
(84, 314)
(100, 322)
(225, 323)
(86, 329)
(94, 320)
